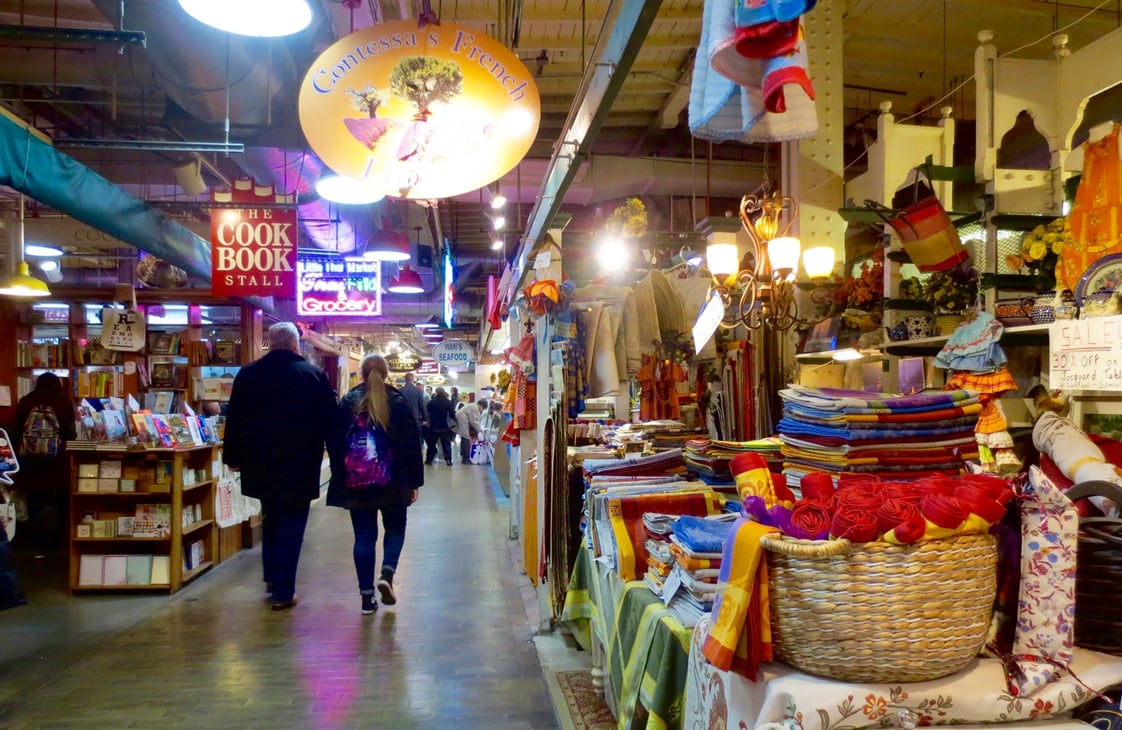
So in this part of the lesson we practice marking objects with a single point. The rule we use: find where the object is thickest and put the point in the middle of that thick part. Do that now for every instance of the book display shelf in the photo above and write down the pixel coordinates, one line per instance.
(141, 519)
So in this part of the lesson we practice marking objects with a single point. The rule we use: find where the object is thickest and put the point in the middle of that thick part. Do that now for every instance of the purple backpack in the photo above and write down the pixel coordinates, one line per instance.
(368, 454)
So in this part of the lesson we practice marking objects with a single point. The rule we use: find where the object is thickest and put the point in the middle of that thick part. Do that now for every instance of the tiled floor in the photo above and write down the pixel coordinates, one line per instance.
(456, 651)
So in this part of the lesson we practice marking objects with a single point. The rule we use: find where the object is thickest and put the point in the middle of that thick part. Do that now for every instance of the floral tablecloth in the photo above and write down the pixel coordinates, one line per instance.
(716, 700)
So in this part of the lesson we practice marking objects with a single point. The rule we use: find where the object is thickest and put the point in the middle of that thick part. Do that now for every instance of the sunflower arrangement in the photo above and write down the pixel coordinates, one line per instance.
(953, 290)
(1040, 251)
(629, 219)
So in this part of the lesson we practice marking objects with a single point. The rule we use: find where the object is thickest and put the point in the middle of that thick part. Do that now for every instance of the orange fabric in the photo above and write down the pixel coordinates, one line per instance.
(658, 389)
(1096, 212)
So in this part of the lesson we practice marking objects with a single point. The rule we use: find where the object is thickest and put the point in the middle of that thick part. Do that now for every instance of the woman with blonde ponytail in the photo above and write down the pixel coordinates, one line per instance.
(376, 402)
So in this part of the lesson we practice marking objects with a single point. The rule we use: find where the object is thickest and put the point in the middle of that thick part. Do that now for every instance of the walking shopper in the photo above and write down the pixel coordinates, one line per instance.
(468, 424)
(386, 479)
(415, 397)
(277, 422)
(442, 419)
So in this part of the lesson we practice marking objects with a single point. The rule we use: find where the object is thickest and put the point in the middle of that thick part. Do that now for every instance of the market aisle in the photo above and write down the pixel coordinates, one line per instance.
(456, 650)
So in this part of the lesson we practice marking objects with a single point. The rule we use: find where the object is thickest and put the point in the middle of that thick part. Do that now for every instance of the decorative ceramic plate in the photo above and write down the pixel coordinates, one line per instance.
(1106, 273)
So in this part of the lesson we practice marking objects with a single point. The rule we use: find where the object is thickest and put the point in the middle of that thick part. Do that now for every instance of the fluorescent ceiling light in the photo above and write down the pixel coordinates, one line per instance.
(40, 249)
(428, 324)
(264, 18)
(347, 190)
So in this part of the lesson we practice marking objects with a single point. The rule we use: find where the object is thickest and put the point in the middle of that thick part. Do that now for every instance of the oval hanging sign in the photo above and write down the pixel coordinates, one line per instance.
(455, 354)
(402, 362)
(420, 113)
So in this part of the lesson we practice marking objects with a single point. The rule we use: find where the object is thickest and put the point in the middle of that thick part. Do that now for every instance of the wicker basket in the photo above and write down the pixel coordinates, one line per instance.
(877, 612)
(947, 322)
(1098, 579)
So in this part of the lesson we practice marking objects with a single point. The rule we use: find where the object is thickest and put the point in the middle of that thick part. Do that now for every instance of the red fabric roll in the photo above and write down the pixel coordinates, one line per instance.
(943, 510)
(997, 488)
(909, 531)
(902, 492)
(854, 524)
(746, 462)
(817, 485)
(978, 501)
(892, 514)
(783, 493)
(934, 484)
(860, 497)
(810, 520)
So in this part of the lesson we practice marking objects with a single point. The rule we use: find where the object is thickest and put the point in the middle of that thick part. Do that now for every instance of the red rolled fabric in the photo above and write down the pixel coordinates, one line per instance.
(854, 524)
(783, 493)
(997, 488)
(911, 530)
(746, 462)
(943, 510)
(860, 498)
(893, 513)
(810, 520)
(933, 485)
(902, 492)
(817, 485)
(978, 501)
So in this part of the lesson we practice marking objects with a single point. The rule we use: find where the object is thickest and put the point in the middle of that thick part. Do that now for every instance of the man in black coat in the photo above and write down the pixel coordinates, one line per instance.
(277, 424)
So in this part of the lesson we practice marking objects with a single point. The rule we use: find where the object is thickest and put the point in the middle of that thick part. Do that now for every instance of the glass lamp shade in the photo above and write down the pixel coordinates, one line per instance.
(263, 18)
(819, 261)
(40, 249)
(723, 259)
(783, 253)
(23, 284)
(347, 190)
(387, 245)
(407, 281)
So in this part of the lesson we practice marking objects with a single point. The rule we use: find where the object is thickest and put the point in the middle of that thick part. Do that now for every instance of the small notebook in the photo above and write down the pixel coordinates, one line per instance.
(115, 570)
(138, 570)
(89, 570)
(161, 570)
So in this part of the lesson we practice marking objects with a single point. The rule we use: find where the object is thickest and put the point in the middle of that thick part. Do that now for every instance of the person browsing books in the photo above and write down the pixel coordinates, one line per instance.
(386, 478)
(277, 424)
(468, 425)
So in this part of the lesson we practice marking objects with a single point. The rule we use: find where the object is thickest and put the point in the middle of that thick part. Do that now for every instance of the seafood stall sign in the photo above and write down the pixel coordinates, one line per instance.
(420, 113)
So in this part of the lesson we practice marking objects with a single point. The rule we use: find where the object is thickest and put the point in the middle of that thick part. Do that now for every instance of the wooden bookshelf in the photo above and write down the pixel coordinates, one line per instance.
(182, 498)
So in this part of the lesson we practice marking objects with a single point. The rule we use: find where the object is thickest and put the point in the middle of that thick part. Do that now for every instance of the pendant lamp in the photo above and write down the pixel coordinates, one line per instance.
(22, 283)
(262, 18)
(407, 281)
(347, 190)
(387, 245)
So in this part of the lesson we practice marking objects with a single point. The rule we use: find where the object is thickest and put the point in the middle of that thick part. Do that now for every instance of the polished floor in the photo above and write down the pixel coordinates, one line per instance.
(457, 651)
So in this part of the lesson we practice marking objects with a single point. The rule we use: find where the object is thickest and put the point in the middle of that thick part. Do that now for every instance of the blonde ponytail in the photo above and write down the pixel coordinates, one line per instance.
(376, 403)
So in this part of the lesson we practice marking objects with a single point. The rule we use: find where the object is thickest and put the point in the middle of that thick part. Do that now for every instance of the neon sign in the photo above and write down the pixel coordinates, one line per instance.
(329, 286)
(449, 290)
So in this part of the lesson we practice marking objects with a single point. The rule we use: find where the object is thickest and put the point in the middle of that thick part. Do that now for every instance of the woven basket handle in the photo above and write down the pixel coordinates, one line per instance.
(1096, 488)
(804, 548)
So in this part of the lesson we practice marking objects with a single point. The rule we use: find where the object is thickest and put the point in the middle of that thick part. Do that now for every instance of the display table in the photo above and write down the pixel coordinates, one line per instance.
(634, 639)
(787, 697)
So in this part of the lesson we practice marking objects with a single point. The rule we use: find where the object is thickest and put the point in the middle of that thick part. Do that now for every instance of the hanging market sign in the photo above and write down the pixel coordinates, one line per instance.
(454, 354)
(428, 367)
(402, 362)
(419, 113)
(330, 286)
(253, 251)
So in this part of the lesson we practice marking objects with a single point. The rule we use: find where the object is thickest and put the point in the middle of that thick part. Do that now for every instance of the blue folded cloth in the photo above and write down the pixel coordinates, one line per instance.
(701, 535)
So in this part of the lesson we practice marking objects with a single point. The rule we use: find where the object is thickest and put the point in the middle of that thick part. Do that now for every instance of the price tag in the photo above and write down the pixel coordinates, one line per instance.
(711, 315)
(671, 585)
(543, 259)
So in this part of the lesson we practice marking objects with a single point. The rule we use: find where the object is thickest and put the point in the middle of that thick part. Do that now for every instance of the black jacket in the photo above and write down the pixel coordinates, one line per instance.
(407, 470)
(276, 427)
(440, 411)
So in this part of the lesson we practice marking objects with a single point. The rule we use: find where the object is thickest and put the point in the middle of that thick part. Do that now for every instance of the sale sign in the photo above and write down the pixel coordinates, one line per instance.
(253, 251)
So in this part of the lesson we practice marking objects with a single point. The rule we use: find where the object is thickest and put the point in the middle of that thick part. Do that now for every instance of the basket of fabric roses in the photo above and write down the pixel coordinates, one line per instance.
(882, 581)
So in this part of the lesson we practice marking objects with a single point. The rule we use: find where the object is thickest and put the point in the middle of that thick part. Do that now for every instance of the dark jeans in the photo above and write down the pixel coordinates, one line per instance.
(365, 524)
(445, 439)
(282, 535)
(465, 448)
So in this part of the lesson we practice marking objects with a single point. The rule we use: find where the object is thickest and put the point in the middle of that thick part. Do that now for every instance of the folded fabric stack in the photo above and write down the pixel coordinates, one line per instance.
(661, 463)
(709, 459)
(695, 559)
(876, 434)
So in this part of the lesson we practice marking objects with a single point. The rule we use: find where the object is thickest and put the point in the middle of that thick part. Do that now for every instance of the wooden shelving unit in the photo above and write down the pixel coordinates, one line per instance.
(184, 496)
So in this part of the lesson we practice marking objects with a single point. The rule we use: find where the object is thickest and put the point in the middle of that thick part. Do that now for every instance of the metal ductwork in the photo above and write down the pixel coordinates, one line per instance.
(410, 310)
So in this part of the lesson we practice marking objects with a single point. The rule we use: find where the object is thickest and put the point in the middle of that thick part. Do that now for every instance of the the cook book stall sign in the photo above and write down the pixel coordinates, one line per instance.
(419, 113)
(253, 248)
(333, 286)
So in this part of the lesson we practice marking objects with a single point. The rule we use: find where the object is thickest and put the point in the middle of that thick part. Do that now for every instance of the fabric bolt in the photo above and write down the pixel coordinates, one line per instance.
(1044, 642)
(691, 562)
(1076, 456)
(632, 334)
(1095, 213)
(740, 635)
(838, 399)
(626, 518)
(693, 534)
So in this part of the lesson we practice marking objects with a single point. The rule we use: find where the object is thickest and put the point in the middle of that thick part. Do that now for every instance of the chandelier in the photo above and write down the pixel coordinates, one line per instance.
(764, 292)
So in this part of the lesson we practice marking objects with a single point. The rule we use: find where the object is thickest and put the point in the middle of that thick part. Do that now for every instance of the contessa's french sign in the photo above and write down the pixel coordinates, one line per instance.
(419, 113)
(332, 286)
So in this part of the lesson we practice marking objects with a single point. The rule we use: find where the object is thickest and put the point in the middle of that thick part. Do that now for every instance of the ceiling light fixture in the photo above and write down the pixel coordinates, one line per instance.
(430, 323)
(263, 18)
(496, 244)
(22, 284)
(498, 222)
(498, 200)
(347, 190)
(386, 244)
(764, 294)
(39, 249)
(407, 281)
